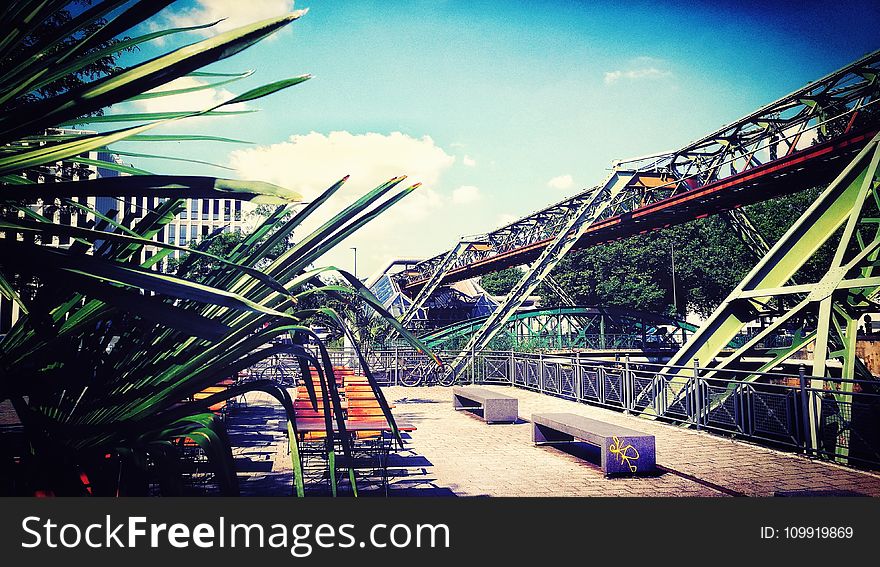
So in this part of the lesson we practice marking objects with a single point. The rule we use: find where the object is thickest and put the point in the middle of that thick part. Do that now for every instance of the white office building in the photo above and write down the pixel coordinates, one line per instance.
(198, 219)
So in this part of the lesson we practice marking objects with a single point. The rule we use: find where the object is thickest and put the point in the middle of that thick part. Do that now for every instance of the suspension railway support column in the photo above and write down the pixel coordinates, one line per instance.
(581, 219)
(434, 282)
(846, 214)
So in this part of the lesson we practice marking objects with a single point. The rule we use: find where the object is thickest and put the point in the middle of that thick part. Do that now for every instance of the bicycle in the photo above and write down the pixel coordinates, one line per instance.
(280, 370)
(426, 373)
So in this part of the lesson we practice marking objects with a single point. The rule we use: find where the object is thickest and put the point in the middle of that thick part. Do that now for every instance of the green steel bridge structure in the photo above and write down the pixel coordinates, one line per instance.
(822, 135)
(588, 328)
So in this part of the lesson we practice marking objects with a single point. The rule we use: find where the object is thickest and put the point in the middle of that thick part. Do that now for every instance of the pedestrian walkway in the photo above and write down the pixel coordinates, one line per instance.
(455, 453)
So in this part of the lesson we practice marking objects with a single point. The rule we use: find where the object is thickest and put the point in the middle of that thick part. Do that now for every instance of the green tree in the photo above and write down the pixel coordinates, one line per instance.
(222, 244)
(46, 30)
(501, 282)
(710, 260)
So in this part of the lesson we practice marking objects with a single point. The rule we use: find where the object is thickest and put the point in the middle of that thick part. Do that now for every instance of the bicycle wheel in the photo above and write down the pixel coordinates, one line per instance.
(411, 377)
(287, 375)
(274, 373)
(446, 376)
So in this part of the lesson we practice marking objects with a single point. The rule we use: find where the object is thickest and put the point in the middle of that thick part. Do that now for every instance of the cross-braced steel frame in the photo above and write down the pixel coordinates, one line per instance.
(574, 327)
(441, 270)
(794, 136)
(742, 225)
(791, 138)
(847, 216)
(556, 288)
(587, 213)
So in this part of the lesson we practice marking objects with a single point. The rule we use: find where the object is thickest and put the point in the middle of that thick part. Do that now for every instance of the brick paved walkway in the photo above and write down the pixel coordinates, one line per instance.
(457, 454)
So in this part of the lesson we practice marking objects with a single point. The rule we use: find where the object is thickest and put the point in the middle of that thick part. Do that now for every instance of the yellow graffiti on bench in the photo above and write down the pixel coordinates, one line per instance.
(623, 454)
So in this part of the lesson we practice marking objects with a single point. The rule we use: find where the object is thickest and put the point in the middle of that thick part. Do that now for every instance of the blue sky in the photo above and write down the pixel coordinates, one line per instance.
(501, 107)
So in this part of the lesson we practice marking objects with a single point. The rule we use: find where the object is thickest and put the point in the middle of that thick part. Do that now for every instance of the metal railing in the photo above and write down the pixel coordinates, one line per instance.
(831, 418)
(838, 419)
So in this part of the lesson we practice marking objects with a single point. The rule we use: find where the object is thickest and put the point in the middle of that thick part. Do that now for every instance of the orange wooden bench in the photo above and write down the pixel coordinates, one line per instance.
(360, 404)
(312, 425)
(215, 389)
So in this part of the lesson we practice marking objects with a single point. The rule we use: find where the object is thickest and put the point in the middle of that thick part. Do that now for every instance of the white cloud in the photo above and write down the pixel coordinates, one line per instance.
(466, 194)
(196, 100)
(561, 182)
(639, 68)
(312, 162)
(237, 13)
(469, 161)
(309, 163)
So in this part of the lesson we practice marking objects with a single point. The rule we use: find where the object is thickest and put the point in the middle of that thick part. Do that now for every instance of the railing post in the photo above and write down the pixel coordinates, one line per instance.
(628, 386)
(541, 372)
(512, 368)
(578, 386)
(473, 364)
(805, 409)
(698, 394)
(396, 365)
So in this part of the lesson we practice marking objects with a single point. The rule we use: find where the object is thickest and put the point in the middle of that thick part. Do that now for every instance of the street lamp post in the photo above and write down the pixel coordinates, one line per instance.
(355, 261)
(674, 295)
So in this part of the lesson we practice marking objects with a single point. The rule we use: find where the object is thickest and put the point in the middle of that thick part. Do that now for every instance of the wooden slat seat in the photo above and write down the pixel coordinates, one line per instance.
(315, 425)
(211, 390)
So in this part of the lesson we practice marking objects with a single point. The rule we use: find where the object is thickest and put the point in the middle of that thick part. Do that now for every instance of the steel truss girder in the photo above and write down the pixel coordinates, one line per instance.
(560, 292)
(584, 320)
(848, 289)
(435, 279)
(586, 214)
(566, 298)
(748, 233)
(826, 109)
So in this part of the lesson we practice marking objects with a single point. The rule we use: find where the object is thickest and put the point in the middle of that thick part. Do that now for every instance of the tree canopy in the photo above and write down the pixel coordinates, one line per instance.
(710, 260)
(501, 282)
(47, 29)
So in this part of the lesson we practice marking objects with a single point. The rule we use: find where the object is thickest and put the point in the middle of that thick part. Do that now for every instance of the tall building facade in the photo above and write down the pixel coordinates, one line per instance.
(197, 220)
(200, 218)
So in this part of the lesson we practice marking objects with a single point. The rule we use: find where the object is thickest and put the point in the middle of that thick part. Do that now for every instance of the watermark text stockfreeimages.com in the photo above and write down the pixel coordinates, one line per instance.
(300, 539)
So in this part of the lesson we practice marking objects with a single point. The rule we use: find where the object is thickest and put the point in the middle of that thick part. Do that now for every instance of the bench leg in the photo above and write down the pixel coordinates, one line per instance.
(542, 435)
(628, 455)
(500, 411)
(458, 404)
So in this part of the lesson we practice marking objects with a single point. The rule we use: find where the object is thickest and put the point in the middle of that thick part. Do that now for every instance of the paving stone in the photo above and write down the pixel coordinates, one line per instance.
(461, 455)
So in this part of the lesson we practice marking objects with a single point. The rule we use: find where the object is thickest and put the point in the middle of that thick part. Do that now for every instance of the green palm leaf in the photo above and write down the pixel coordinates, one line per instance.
(110, 352)
(159, 186)
(147, 116)
(138, 79)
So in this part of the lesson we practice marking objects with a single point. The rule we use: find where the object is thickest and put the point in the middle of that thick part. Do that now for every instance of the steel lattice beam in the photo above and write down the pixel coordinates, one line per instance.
(560, 292)
(585, 320)
(438, 275)
(748, 233)
(787, 145)
(588, 211)
(848, 289)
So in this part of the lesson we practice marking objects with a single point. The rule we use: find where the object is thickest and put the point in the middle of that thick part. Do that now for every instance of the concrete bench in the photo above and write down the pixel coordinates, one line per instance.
(496, 407)
(624, 451)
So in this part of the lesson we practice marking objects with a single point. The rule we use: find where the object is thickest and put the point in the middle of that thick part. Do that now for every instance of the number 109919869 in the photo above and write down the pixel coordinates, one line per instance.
(807, 532)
